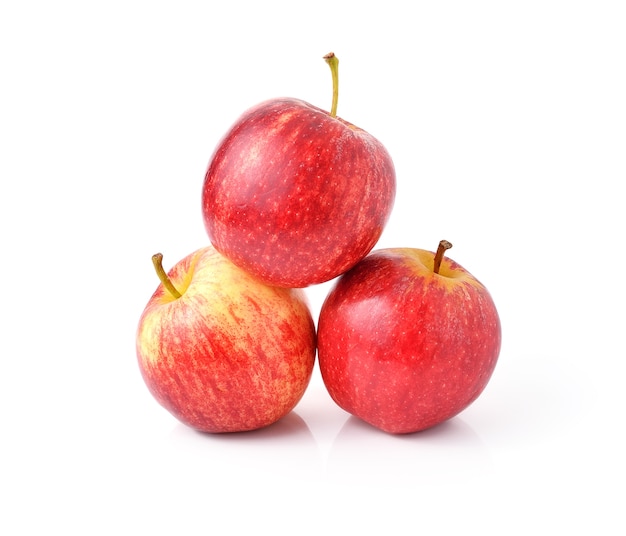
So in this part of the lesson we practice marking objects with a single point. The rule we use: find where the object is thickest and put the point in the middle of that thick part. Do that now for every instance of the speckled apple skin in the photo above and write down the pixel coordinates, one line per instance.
(404, 348)
(294, 196)
(231, 354)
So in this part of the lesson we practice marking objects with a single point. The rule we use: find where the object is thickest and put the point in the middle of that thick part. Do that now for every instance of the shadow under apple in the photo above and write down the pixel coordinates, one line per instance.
(533, 399)
(286, 448)
(452, 450)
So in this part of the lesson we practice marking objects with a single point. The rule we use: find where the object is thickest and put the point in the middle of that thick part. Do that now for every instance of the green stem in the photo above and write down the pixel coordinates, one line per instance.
(443, 245)
(333, 63)
(157, 260)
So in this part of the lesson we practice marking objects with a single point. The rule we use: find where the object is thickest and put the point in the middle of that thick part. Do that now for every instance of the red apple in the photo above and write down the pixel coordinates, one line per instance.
(407, 339)
(296, 195)
(220, 350)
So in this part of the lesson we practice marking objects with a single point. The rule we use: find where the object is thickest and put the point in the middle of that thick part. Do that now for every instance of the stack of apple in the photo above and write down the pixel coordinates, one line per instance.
(295, 196)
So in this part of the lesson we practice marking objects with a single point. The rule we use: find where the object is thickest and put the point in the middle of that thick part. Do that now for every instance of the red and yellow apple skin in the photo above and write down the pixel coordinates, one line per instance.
(404, 348)
(295, 196)
(230, 354)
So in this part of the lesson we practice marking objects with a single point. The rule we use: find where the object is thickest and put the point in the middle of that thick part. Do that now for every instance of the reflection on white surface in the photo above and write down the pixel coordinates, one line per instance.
(530, 403)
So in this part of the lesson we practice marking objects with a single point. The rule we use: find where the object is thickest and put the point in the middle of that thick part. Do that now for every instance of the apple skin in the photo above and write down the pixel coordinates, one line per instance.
(295, 196)
(231, 354)
(404, 348)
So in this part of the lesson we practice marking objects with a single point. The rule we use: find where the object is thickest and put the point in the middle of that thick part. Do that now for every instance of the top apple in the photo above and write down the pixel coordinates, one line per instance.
(296, 195)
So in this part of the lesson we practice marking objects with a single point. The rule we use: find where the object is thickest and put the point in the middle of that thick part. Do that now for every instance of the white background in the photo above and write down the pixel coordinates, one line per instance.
(507, 125)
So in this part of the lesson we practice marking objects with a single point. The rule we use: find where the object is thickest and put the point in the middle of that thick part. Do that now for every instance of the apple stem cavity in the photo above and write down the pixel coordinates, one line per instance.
(443, 246)
(157, 261)
(333, 63)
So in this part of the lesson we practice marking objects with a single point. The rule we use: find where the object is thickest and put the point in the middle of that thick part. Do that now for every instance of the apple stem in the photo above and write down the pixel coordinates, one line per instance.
(443, 245)
(157, 260)
(333, 63)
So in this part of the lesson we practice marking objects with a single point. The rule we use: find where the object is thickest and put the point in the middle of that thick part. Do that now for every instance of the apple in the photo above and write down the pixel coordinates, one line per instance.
(221, 351)
(296, 195)
(407, 339)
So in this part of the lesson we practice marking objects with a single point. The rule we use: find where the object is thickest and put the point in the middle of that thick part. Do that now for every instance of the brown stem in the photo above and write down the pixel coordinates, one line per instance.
(157, 260)
(333, 63)
(443, 245)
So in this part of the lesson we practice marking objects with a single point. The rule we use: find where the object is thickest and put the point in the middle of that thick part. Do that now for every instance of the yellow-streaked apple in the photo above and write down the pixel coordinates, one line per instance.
(407, 339)
(221, 351)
